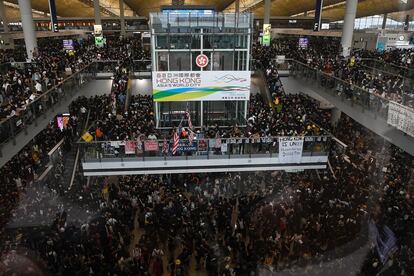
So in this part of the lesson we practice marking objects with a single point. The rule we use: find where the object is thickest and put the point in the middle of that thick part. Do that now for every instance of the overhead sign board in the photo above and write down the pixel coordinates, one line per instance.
(99, 41)
(68, 44)
(97, 30)
(201, 86)
(303, 42)
(267, 31)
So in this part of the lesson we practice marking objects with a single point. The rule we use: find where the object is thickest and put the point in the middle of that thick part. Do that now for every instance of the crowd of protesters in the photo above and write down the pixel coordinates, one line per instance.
(220, 223)
(324, 55)
(52, 63)
(399, 57)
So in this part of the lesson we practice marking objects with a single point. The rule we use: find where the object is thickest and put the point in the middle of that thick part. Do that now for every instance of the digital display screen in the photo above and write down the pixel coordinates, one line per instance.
(62, 121)
(303, 42)
(68, 44)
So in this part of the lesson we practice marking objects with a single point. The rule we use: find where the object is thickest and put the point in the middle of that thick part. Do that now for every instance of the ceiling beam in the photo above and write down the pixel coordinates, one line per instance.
(245, 5)
(104, 10)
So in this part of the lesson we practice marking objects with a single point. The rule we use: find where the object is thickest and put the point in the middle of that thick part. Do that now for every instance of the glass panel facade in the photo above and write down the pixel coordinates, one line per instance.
(179, 37)
(223, 38)
(375, 22)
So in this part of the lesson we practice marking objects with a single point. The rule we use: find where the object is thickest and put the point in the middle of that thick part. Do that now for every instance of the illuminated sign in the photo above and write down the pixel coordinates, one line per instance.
(201, 85)
(267, 30)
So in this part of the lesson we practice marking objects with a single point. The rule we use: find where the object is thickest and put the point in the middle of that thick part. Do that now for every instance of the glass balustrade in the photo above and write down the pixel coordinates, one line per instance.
(28, 114)
(201, 148)
(343, 89)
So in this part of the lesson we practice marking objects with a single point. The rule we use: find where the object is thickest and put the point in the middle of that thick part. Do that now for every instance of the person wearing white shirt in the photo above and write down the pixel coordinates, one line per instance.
(38, 87)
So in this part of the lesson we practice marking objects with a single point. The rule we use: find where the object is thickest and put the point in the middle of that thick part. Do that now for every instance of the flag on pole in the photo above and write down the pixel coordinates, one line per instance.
(218, 140)
(176, 139)
(190, 137)
(165, 146)
(190, 124)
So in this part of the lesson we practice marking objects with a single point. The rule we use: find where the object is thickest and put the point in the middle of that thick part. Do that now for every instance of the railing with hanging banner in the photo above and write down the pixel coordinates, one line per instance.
(397, 114)
(287, 149)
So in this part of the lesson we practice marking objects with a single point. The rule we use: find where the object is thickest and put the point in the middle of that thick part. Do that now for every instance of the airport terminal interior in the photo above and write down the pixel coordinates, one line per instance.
(207, 137)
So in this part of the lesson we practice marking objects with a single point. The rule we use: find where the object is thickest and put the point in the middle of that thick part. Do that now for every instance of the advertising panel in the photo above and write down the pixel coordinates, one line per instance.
(176, 86)
(303, 42)
(68, 44)
(290, 149)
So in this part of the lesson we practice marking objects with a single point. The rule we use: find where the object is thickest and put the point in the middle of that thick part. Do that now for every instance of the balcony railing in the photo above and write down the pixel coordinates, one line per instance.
(13, 125)
(338, 87)
(229, 148)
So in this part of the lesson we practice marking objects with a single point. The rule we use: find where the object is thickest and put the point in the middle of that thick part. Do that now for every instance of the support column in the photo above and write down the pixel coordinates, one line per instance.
(318, 16)
(97, 12)
(30, 40)
(237, 6)
(384, 21)
(266, 12)
(122, 17)
(348, 28)
(406, 22)
(335, 116)
(3, 17)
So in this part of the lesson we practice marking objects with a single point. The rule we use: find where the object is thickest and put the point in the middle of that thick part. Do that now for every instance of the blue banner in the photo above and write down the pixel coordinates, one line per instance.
(318, 16)
(53, 16)
(184, 146)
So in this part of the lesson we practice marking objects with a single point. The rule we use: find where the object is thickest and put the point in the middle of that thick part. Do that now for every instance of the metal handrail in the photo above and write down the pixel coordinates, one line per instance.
(48, 92)
(339, 79)
(209, 149)
(389, 64)
(267, 138)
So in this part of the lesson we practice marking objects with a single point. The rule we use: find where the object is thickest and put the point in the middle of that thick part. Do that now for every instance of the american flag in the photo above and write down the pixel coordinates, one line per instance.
(176, 139)
(187, 114)
(165, 146)
(218, 140)
(191, 137)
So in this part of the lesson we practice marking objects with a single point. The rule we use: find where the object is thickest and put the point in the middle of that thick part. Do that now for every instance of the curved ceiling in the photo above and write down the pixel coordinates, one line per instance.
(333, 9)
(143, 7)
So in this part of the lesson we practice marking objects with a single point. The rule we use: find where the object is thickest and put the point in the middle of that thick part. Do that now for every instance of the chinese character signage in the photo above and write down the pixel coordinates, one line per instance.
(176, 86)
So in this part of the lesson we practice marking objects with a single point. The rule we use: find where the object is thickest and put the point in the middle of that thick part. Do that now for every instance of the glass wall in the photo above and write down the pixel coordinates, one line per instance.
(179, 37)
(375, 22)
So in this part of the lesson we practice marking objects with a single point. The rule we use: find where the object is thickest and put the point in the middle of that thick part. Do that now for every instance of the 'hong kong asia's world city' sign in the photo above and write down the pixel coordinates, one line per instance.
(175, 86)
